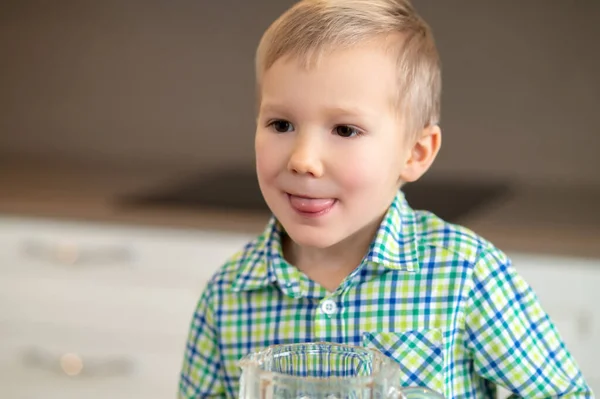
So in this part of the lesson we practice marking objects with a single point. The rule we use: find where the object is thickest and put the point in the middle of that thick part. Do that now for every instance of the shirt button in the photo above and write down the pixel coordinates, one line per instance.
(329, 307)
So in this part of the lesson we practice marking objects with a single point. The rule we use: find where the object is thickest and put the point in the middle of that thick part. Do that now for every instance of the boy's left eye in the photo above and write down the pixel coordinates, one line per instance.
(346, 131)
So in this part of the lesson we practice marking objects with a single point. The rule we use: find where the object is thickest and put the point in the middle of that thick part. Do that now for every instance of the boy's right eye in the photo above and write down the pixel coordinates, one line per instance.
(281, 126)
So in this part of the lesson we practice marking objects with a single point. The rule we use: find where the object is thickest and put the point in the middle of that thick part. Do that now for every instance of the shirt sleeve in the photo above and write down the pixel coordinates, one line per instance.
(201, 371)
(512, 340)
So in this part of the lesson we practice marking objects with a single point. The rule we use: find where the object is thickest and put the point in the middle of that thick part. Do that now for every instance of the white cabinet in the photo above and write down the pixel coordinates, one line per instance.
(99, 311)
(89, 310)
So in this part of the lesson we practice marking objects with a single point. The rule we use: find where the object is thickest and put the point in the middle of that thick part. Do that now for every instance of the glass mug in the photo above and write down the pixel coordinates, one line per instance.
(323, 371)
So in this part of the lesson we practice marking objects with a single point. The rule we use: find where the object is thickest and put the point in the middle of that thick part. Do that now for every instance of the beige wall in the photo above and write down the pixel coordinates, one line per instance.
(171, 82)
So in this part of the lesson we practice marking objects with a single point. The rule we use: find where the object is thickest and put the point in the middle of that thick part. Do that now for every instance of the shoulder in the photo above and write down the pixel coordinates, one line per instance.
(234, 263)
(246, 265)
(457, 250)
(456, 241)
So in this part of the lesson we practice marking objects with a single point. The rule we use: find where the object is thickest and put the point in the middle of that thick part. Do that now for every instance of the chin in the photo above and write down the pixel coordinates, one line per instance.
(313, 237)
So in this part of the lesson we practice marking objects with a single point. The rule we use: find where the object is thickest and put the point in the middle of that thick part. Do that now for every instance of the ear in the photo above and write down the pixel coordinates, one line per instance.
(422, 154)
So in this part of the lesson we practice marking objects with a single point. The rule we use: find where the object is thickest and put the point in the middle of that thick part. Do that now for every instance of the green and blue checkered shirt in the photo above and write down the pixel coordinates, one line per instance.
(442, 301)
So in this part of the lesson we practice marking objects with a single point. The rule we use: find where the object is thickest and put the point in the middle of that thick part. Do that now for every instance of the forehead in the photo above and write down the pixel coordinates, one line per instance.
(363, 76)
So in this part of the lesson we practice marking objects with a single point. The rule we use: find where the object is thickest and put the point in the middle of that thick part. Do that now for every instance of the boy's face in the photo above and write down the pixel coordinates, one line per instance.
(330, 148)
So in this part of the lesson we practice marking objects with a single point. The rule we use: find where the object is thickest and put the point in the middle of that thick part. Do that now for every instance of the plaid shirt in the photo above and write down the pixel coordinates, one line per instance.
(443, 302)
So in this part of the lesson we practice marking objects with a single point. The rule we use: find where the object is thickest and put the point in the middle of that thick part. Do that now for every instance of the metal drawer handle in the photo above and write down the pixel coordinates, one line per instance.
(75, 365)
(68, 253)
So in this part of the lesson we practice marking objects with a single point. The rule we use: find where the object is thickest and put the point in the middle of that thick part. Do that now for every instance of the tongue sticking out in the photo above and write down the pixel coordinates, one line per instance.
(311, 205)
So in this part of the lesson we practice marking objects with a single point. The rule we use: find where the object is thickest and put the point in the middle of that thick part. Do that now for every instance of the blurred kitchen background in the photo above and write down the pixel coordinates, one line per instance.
(126, 172)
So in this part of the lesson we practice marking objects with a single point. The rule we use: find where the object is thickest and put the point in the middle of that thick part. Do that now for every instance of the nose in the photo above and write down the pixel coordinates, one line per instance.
(305, 158)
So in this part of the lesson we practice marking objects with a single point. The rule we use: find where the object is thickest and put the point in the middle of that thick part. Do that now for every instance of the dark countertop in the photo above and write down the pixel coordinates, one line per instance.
(537, 219)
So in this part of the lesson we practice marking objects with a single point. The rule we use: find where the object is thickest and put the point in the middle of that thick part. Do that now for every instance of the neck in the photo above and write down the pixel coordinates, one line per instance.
(330, 266)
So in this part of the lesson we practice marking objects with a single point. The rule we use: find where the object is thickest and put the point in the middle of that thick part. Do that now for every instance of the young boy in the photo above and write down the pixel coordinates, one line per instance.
(349, 105)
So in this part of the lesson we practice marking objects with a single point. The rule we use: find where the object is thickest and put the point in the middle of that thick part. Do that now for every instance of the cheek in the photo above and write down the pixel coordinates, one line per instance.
(268, 157)
(367, 169)
(357, 175)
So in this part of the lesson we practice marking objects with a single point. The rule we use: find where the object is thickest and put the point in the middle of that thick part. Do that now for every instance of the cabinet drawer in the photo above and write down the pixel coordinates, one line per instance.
(154, 377)
(116, 254)
(96, 305)
(43, 361)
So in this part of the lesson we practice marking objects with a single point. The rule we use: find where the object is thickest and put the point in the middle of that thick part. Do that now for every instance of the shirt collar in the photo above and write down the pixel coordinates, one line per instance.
(396, 242)
(395, 246)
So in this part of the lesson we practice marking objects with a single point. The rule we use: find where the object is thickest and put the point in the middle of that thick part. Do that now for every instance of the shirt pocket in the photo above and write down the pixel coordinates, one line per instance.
(419, 354)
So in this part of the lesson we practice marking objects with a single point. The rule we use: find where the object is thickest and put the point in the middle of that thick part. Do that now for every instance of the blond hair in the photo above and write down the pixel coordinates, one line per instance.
(312, 27)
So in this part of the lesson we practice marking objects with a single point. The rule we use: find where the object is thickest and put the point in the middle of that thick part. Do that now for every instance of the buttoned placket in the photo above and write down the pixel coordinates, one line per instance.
(326, 317)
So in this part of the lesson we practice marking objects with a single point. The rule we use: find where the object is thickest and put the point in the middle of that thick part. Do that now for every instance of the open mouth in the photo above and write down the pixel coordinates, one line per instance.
(311, 207)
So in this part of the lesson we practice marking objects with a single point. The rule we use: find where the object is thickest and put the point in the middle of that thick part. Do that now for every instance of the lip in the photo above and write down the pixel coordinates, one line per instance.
(291, 194)
(310, 214)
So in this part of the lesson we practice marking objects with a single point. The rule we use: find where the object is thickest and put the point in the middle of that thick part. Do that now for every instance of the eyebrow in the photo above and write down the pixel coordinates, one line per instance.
(337, 111)
(272, 107)
(346, 111)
